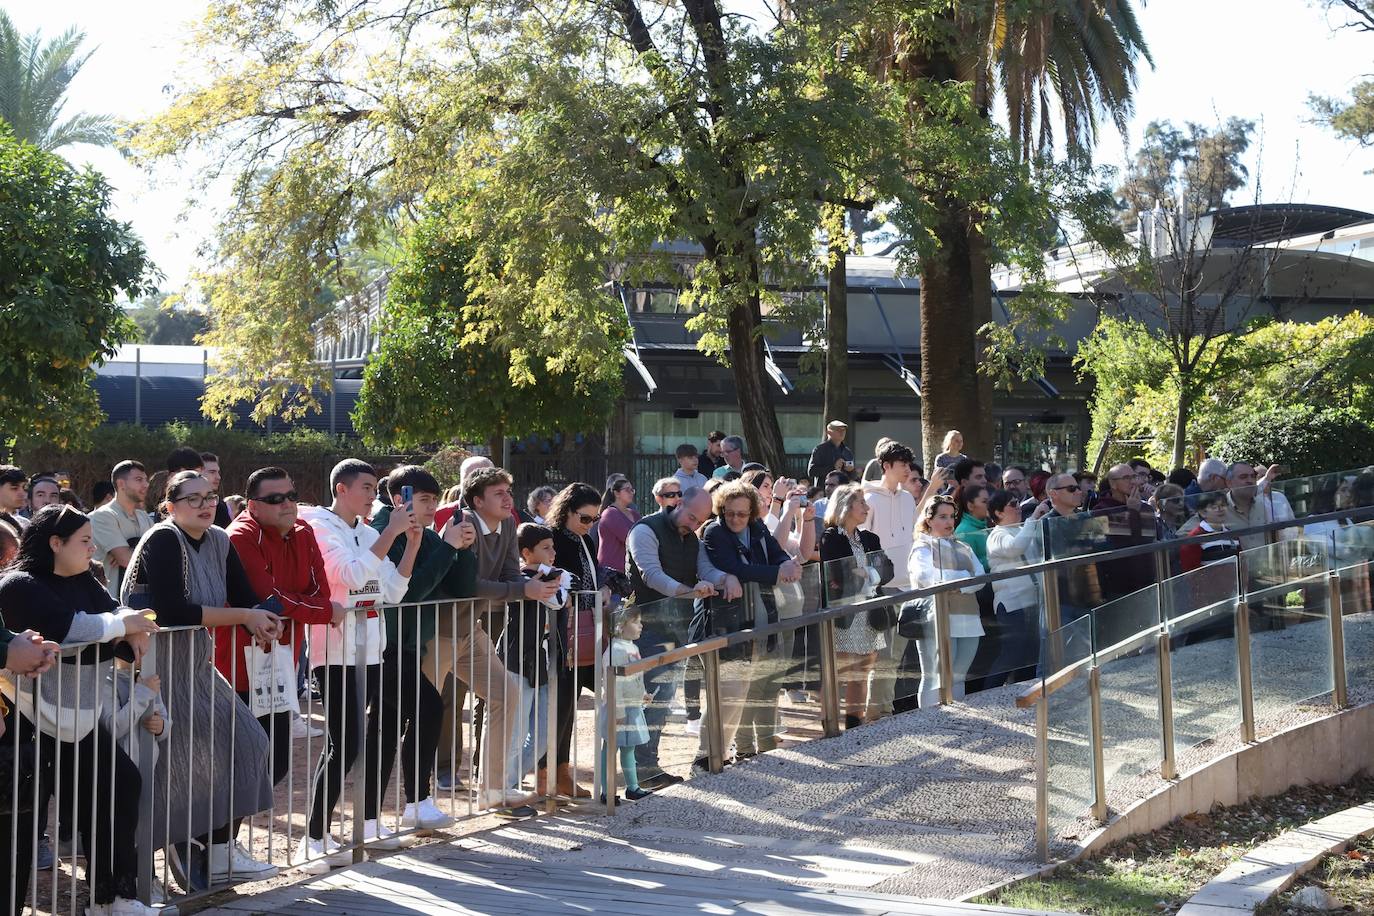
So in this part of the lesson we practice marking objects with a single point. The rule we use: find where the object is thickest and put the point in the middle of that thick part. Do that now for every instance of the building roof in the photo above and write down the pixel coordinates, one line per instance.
(1260, 223)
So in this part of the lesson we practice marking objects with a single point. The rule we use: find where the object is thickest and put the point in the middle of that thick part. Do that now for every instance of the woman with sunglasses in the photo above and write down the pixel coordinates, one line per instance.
(216, 769)
(618, 516)
(571, 516)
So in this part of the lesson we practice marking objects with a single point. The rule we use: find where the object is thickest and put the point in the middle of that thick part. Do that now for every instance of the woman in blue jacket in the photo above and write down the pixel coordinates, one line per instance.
(738, 544)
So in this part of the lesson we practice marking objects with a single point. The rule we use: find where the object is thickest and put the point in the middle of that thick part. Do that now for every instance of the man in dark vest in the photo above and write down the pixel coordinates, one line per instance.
(668, 568)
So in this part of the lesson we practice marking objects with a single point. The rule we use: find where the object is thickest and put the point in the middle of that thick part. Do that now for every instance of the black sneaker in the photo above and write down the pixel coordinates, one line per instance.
(637, 794)
(661, 781)
(517, 813)
(43, 856)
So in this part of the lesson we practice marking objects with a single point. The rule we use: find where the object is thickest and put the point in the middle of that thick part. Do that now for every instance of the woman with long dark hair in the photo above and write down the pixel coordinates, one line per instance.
(216, 769)
(573, 643)
(618, 516)
(49, 588)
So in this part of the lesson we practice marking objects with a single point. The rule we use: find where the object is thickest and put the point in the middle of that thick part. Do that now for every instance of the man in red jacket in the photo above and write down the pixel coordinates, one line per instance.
(283, 562)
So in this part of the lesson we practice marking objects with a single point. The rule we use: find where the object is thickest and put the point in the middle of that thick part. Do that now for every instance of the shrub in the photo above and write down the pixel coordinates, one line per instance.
(1308, 439)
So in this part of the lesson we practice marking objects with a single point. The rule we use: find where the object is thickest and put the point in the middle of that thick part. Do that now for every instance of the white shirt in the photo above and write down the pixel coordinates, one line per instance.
(892, 517)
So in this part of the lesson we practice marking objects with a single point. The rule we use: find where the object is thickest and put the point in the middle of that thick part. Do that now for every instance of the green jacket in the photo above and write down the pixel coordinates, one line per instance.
(974, 533)
(440, 573)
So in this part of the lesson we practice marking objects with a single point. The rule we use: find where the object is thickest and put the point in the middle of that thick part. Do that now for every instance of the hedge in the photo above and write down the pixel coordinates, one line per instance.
(307, 455)
(1307, 439)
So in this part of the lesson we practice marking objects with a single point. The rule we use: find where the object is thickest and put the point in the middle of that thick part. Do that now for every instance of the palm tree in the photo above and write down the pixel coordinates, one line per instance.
(1076, 56)
(34, 77)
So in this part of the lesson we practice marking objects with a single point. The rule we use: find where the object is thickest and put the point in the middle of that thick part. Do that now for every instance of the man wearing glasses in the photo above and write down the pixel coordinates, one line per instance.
(732, 450)
(667, 493)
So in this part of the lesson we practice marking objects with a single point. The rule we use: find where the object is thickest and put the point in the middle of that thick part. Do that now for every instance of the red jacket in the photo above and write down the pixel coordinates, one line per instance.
(292, 569)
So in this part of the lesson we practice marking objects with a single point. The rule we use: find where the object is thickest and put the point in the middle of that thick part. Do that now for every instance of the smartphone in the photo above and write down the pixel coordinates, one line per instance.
(408, 496)
(552, 575)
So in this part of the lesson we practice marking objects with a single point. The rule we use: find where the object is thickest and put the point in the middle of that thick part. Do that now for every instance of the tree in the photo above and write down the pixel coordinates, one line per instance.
(1352, 117)
(1203, 163)
(566, 142)
(63, 261)
(430, 381)
(161, 321)
(34, 77)
(1047, 56)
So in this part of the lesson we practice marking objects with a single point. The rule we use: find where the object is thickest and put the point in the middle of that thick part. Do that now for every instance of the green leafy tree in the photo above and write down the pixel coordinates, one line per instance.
(567, 142)
(434, 380)
(1351, 117)
(161, 321)
(1194, 162)
(63, 262)
(34, 76)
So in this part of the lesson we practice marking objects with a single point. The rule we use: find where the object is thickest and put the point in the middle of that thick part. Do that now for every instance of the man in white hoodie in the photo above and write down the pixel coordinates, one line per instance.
(892, 517)
(362, 579)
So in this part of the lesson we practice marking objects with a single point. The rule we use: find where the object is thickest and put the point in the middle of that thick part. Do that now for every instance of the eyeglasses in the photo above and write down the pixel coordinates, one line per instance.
(585, 519)
(198, 500)
(1072, 488)
(674, 495)
(743, 513)
(276, 499)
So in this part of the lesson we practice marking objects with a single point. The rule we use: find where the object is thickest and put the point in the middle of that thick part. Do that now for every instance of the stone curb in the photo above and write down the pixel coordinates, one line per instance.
(1271, 868)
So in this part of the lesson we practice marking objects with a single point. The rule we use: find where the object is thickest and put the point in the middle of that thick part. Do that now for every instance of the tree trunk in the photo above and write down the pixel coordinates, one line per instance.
(979, 430)
(754, 388)
(837, 332)
(949, 389)
(1182, 415)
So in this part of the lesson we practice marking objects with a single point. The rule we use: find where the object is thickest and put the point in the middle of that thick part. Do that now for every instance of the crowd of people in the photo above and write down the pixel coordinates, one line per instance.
(399, 598)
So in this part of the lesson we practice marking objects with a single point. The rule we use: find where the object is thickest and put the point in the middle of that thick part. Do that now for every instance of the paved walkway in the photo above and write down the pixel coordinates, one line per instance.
(445, 880)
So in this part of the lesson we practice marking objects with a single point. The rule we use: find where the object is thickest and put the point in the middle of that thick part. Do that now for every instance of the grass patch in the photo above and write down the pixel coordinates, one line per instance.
(1157, 872)
(1348, 877)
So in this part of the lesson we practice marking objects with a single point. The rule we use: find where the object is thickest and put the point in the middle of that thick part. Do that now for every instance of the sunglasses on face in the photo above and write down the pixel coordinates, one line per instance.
(1072, 488)
(276, 499)
(674, 495)
(585, 518)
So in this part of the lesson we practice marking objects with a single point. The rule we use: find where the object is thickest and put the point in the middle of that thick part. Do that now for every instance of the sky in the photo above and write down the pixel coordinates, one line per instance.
(1255, 59)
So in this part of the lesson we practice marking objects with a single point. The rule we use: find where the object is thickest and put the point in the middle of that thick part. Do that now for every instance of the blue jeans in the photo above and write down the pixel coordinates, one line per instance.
(661, 684)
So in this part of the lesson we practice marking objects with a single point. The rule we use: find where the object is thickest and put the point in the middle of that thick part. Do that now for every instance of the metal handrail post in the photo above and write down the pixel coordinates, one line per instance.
(830, 680)
(1336, 613)
(1099, 768)
(608, 706)
(1168, 766)
(551, 711)
(1042, 779)
(942, 648)
(360, 717)
(1247, 685)
(715, 728)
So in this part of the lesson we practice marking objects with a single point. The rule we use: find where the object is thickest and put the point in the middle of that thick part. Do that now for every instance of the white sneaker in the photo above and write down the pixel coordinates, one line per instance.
(318, 857)
(377, 836)
(693, 727)
(121, 906)
(303, 728)
(231, 860)
(425, 815)
(504, 798)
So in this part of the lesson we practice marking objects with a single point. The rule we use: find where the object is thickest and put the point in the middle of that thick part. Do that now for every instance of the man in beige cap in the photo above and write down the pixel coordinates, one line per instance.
(832, 454)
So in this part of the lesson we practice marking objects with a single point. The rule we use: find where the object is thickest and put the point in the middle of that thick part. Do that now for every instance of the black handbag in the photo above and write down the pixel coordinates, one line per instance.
(911, 623)
(882, 618)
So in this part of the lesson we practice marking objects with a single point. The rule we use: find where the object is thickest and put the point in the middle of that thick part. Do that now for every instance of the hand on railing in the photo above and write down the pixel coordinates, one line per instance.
(29, 653)
(340, 614)
(732, 591)
(539, 590)
(790, 572)
(264, 625)
(704, 589)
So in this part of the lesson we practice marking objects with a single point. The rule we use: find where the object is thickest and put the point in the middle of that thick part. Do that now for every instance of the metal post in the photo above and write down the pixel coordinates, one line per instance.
(551, 736)
(830, 680)
(1335, 612)
(1042, 778)
(1247, 686)
(715, 728)
(360, 718)
(942, 647)
(138, 386)
(1168, 767)
(1050, 581)
(608, 705)
(1099, 768)
(1161, 566)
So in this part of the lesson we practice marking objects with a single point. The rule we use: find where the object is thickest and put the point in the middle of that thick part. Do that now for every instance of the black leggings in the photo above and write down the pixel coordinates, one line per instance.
(280, 736)
(567, 705)
(109, 834)
(344, 720)
(418, 708)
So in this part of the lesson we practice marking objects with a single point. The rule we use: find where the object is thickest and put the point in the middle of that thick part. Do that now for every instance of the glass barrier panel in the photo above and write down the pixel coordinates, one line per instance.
(1200, 587)
(1120, 620)
(1206, 682)
(1270, 565)
(1069, 756)
(1080, 587)
(1008, 651)
(1290, 644)
(798, 656)
(1129, 680)
(1305, 496)
(1358, 623)
(673, 711)
(1350, 544)
(667, 624)
(750, 677)
(873, 658)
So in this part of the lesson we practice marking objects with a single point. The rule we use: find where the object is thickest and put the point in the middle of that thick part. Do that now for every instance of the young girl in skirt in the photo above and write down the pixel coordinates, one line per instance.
(630, 697)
